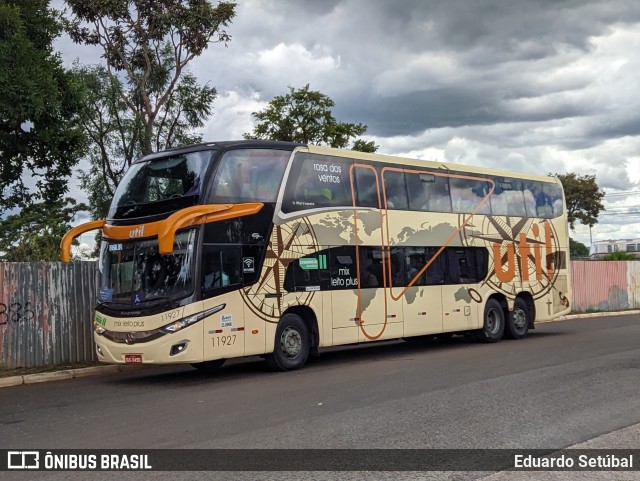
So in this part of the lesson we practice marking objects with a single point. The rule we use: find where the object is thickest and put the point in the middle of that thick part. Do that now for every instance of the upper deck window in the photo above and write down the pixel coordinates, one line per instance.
(249, 175)
(543, 199)
(160, 185)
(318, 181)
(428, 192)
(469, 195)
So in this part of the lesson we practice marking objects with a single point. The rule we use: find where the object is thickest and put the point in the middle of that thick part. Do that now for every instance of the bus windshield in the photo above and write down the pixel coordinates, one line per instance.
(160, 185)
(134, 272)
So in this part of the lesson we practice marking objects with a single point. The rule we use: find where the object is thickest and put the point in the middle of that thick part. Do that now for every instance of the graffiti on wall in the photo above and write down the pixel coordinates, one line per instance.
(16, 312)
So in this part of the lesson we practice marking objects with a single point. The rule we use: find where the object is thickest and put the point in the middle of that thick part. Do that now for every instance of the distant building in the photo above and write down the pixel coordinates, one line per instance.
(602, 248)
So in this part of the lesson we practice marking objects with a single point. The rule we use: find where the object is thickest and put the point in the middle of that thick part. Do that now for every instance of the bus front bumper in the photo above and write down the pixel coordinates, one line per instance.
(170, 349)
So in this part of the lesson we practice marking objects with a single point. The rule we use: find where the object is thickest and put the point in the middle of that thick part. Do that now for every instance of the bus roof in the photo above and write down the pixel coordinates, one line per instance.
(315, 149)
(223, 145)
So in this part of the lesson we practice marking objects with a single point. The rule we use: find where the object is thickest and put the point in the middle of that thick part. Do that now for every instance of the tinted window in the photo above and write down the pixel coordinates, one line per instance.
(222, 267)
(160, 185)
(542, 199)
(467, 195)
(367, 187)
(371, 267)
(428, 192)
(466, 265)
(309, 273)
(318, 181)
(249, 175)
(336, 268)
(395, 190)
(508, 198)
(415, 259)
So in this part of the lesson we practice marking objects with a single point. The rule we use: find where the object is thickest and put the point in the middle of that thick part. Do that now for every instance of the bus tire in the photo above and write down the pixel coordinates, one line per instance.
(292, 344)
(209, 366)
(518, 322)
(493, 328)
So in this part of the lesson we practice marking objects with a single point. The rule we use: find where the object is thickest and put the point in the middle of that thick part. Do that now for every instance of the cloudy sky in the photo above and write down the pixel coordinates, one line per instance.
(527, 85)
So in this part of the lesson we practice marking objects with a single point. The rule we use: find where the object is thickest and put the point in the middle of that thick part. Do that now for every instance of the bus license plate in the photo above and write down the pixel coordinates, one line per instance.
(133, 358)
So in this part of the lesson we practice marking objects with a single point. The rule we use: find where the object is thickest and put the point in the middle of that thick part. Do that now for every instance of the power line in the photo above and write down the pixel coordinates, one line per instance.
(619, 194)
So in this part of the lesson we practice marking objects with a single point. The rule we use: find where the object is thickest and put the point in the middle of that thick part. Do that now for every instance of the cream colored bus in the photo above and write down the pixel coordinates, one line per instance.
(245, 248)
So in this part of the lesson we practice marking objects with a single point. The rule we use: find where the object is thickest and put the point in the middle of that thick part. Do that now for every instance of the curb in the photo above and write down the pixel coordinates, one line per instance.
(597, 314)
(64, 375)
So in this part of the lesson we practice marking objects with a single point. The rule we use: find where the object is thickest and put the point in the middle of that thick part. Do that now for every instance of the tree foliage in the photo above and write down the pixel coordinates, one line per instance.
(114, 132)
(583, 197)
(41, 136)
(577, 249)
(40, 131)
(304, 115)
(151, 43)
(143, 99)
(36, 232)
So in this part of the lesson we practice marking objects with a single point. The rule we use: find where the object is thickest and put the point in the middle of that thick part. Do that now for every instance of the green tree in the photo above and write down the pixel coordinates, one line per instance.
(304, 116)
(577, 249)
(36, 232)
(143, 99)
(583, 197)
(40, 129)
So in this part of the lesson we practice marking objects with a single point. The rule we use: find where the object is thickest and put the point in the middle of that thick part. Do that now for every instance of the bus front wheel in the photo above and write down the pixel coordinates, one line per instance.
(494, 321)
(292, 344)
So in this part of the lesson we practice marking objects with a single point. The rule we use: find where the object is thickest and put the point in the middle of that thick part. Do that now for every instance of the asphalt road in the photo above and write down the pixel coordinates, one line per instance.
(567, 383)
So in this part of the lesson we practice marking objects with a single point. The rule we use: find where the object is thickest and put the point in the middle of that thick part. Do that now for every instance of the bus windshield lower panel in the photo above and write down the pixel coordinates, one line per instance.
(134, 273)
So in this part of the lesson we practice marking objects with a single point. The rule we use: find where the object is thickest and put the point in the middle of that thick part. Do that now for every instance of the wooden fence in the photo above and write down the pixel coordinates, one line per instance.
(46, 309)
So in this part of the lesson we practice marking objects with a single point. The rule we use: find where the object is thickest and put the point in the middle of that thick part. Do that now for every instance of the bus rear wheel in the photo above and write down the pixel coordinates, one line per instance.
(292, 344)
(518, 323)
(493, 328)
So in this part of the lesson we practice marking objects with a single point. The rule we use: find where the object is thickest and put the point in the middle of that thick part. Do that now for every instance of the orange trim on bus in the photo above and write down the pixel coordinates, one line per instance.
(65, 245)
(200, 214)
(166, 229)
(384, 268)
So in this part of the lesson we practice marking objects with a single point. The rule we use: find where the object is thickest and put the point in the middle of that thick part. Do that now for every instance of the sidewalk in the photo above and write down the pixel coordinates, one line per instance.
(63, 374)
(113, 368)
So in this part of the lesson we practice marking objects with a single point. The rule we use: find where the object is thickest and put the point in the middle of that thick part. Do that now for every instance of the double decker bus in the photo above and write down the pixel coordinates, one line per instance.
(244, 248)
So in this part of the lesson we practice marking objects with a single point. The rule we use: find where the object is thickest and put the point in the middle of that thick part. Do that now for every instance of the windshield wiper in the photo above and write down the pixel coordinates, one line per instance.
(168, 300)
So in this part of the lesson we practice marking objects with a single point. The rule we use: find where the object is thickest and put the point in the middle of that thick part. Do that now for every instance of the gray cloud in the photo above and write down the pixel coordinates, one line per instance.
(530, 85)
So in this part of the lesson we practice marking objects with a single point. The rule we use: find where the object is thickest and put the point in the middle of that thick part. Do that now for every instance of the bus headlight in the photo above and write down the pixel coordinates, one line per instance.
(182, 323)
(98, 328)
(188, 321)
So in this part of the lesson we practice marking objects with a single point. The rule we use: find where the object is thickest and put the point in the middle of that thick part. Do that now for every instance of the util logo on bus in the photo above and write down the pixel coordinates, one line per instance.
(137, 232)
(528, 249)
